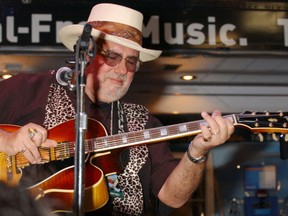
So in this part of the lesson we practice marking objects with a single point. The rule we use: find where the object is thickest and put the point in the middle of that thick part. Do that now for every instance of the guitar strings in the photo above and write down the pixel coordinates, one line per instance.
(66, 149)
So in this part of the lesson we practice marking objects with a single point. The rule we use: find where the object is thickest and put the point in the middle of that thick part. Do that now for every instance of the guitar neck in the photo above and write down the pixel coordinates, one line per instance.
(66, 150)
(147, 136)
(256, 122)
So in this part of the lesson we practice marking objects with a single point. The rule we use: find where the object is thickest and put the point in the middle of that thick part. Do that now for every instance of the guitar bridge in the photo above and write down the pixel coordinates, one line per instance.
(12, 171)
(9, 163)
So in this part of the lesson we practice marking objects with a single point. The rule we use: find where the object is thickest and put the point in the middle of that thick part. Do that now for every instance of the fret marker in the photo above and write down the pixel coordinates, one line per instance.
(124, 139)
(183, 128)
(105, 142)
(146, 135)
(163, 132)
(95, 143)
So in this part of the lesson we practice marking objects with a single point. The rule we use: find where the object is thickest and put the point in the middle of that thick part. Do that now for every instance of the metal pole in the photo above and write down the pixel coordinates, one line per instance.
(81, 122)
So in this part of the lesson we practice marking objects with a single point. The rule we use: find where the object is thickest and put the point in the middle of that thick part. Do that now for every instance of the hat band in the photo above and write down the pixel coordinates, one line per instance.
(119, 30)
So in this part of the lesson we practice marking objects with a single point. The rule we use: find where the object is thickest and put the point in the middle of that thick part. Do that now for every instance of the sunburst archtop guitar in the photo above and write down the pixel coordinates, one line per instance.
(60, 185)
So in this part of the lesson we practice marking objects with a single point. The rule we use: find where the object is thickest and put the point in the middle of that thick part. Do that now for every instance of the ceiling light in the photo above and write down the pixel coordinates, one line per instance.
(188, 77)
(6, 76)
(9, 70)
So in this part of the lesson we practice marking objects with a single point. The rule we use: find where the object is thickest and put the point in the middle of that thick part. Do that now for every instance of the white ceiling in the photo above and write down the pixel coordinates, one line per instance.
(230, 81)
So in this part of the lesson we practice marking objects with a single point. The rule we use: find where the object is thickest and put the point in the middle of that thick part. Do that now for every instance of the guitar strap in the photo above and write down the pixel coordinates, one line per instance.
(118, 125)
(118, 119)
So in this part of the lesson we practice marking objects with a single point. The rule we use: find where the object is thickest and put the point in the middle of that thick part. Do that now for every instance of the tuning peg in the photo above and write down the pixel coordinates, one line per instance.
(261, 138)
(275, 137)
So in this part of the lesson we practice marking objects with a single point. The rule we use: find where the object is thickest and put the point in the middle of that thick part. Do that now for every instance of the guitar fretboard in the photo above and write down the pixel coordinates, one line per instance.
(66, 150)
(147, 136)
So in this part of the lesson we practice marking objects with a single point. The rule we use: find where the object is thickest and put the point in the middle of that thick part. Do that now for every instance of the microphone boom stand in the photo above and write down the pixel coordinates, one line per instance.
(81, 122)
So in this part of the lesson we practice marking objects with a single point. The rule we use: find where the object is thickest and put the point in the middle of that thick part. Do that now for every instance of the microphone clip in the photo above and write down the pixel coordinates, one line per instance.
(65, 76)
(84, 40)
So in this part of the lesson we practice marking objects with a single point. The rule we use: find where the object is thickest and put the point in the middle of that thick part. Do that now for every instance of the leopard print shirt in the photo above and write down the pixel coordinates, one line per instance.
(129, 182)
(60, 108)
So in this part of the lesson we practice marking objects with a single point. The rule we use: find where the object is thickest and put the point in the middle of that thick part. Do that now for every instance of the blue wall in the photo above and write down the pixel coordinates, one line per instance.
(229, 161)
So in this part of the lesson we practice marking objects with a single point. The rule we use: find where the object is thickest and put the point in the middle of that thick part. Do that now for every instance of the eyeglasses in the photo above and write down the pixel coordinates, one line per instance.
(112, 59)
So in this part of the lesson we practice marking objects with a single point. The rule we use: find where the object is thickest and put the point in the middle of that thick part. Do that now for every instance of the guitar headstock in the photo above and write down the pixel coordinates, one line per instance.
(267, 122)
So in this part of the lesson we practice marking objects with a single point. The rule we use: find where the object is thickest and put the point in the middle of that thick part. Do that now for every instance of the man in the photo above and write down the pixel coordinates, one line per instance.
(147, 172)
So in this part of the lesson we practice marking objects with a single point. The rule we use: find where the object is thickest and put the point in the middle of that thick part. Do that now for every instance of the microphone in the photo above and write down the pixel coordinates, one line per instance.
(64, 75)
(85, 37)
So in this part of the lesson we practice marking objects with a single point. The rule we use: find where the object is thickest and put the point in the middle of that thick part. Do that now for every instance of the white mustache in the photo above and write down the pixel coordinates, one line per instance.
(119, 77)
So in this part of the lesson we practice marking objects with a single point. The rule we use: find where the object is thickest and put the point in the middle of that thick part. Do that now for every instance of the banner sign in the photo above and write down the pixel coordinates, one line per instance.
(177, 27)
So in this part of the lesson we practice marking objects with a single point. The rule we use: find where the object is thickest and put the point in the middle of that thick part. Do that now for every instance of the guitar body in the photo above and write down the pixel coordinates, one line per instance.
(59, 188)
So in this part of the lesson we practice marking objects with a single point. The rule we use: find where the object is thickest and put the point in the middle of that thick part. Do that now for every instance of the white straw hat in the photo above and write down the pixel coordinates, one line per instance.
(116, 23)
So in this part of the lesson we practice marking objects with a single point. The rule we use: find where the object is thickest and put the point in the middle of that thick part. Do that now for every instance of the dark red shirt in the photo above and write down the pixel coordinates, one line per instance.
(23, 99)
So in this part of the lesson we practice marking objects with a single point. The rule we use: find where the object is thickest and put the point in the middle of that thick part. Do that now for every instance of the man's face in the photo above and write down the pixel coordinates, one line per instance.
(109, 83)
